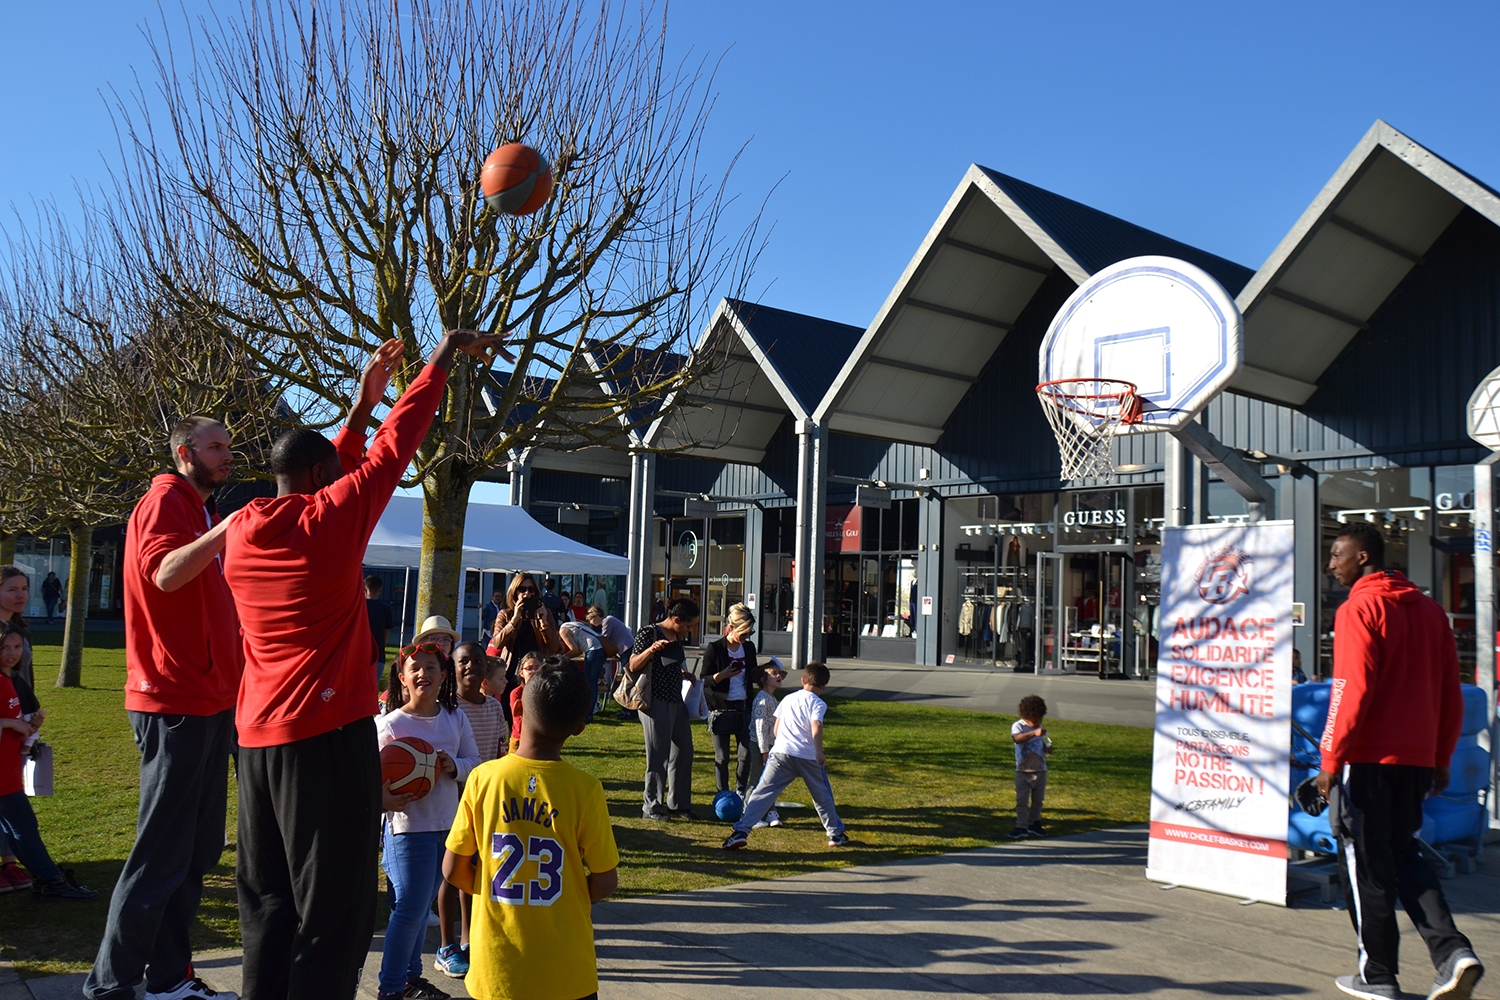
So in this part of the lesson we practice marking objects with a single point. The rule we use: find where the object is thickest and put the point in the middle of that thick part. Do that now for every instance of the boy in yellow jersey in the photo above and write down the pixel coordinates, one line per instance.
(545, 851)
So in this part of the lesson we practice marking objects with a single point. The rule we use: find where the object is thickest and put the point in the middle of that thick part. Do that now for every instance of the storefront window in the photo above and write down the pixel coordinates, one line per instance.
(869, 576)
(1426, 517)
(726, 571)
(779, 546)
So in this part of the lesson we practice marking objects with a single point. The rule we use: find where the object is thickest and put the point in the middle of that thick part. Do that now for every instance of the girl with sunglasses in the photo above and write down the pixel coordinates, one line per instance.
(422, 684)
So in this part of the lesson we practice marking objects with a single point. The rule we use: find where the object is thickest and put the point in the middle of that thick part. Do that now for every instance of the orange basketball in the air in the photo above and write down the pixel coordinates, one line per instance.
(516, 179)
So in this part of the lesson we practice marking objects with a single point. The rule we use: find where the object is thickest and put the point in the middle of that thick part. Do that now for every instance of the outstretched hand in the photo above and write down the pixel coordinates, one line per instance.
(376, 377)
(483, 346)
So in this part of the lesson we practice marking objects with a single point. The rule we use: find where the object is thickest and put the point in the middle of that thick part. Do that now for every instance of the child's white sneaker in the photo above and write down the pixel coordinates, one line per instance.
(772, 818)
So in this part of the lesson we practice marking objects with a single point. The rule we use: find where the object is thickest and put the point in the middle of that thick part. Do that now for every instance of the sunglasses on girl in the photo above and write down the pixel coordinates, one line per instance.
(420, 647)
(528, 589)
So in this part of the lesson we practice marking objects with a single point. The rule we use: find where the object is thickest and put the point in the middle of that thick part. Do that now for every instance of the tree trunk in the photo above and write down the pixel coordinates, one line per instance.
(7, 549)
(80, 562)
(445, 507)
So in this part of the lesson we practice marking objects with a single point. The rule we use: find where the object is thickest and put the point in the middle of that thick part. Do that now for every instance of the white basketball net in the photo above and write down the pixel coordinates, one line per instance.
(1085, 414)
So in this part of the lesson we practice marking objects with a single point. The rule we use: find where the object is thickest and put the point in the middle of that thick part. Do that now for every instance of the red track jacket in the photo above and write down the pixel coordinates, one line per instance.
(1396, 696)
(182, 649)
(294, 564)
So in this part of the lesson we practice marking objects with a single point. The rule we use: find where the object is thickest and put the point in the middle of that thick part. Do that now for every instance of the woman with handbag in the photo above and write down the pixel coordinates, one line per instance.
(658, 654)
(730, 674)
(523, 626)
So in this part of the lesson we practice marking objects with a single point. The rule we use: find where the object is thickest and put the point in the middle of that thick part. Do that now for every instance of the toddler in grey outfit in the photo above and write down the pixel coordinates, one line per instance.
(1032, 747)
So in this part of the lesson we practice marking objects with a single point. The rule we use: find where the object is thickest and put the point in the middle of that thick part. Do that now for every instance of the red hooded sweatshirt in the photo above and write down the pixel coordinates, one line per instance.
(1396, 696)
(294, 564)
(182, 649)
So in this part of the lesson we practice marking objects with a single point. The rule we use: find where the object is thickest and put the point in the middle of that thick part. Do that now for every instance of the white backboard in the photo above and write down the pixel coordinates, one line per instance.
(1484, 412)
(1159, 322)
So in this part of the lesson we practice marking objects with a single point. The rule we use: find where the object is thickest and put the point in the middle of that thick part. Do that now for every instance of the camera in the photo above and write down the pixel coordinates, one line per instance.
(528, 608)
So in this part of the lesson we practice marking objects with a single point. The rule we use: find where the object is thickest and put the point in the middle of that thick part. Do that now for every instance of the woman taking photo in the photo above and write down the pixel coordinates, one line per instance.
(730, 675)
(15, 594)
(523, 626)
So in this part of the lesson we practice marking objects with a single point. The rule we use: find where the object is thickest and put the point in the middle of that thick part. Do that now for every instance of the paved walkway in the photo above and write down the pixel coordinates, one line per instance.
(987, 689)
(1043, 919)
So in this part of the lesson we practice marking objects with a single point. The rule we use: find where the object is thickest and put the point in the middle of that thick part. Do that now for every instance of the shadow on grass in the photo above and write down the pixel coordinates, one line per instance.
(43, 937)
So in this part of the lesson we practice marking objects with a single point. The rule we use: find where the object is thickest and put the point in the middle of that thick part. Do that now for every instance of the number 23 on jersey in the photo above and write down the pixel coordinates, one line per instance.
(509, 852)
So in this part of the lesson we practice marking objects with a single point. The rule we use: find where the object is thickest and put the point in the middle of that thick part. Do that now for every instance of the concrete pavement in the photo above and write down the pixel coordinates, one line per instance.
(987, 689)
(1038, 919)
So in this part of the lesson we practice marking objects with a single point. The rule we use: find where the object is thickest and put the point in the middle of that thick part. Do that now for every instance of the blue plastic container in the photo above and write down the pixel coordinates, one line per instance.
(1310, 833)
(1451, 821)
(1476, 712)
(1310, 712)
(1469, 770)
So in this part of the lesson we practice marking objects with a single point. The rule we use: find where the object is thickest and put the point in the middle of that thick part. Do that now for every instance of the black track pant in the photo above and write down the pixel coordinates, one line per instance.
(1383, 865)
(309, 837)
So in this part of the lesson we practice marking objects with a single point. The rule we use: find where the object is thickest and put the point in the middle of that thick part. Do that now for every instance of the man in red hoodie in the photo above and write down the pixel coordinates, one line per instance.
(309, 767)
(182, 673)
(1394, 716)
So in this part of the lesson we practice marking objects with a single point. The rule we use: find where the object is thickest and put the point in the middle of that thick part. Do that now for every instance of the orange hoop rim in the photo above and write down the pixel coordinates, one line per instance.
(1068, 394)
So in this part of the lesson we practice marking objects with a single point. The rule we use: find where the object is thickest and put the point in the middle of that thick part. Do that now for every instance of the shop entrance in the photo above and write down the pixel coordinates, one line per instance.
(1088, 614)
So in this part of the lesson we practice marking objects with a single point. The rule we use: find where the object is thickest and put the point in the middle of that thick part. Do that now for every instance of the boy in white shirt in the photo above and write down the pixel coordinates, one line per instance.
(797, 752)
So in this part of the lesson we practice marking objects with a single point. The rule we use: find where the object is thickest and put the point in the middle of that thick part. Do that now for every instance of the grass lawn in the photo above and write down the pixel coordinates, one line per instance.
(909, 781)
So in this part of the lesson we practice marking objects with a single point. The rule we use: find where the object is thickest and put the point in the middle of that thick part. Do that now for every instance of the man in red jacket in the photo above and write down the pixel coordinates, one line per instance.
(1394, 716)
(182, 673)
(309, 768)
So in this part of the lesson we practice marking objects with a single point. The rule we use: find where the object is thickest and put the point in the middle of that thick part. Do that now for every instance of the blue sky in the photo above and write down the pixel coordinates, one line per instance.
(1214, 123)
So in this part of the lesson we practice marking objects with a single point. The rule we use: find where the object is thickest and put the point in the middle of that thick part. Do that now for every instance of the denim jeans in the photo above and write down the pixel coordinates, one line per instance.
(593, 672)
(414, 867)
(19, 824)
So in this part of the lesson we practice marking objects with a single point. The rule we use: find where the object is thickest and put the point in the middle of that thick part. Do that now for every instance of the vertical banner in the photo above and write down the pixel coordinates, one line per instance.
(1220, 763)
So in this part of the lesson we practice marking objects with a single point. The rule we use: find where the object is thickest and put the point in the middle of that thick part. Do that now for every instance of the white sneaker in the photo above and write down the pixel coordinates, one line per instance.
(193, 989)
(773, 818)
(765, 822)
(432, 921)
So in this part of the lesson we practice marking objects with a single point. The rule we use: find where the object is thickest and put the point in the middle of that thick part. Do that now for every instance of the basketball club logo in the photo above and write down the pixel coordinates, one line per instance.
(1224, 575)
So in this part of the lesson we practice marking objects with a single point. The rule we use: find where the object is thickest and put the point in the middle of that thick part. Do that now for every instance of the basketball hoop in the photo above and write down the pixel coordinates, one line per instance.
(1085, 414)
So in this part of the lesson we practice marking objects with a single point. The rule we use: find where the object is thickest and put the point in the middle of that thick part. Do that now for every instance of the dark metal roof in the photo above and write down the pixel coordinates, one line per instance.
(1097, 239)
(806, 352)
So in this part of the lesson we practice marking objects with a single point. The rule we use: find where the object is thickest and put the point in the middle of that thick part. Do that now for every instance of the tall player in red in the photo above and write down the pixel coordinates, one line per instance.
(309, 769)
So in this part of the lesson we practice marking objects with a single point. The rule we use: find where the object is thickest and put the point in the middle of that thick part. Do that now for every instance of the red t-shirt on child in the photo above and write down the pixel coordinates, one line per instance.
(10, 740)
(515, 712)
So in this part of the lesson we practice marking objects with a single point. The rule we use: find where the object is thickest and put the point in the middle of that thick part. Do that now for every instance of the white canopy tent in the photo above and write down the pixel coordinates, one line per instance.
(496, 537)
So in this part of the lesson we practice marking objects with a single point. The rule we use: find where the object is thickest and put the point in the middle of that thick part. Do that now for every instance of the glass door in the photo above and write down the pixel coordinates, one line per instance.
(1048, 611)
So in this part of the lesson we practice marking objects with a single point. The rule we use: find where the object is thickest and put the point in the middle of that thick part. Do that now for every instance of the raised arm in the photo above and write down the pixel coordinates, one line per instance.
(182, 565)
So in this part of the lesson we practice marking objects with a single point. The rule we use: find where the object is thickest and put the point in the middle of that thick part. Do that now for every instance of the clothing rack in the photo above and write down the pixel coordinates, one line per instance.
(991, 598)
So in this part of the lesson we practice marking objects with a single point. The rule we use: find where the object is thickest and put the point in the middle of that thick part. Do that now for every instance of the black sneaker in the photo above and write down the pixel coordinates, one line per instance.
(1019, 833)
(421, 989)
(1355, 986)
(1036, 830)
(1457, 976)
(684, 814)
(659, 812)
(735, 841)
(63, 886)
(840, 839)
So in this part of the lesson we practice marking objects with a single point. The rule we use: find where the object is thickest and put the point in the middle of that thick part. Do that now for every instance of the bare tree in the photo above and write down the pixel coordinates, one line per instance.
(312, 189)
(94, 372)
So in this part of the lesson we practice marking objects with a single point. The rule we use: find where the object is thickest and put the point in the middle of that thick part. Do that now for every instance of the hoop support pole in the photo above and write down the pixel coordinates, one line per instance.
(1229, 464)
